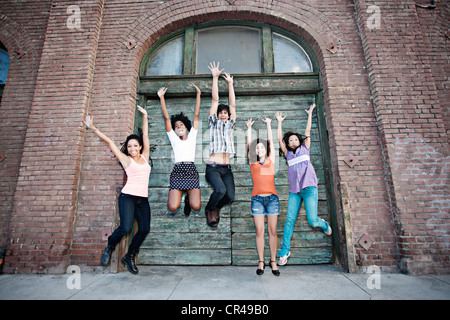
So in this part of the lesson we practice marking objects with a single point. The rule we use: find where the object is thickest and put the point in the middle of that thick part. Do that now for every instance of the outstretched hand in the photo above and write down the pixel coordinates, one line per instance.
(267, 120)
(142, 110)
(279, 117)
(162, 92)
(310, 110)
(215, 69)
(228, 78)
(249, 123)
(89, 122)
(197, 88)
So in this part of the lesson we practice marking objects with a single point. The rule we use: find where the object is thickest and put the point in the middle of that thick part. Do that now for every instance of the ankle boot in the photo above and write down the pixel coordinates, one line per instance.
(210, 219)
(129, 261)
(106, 256)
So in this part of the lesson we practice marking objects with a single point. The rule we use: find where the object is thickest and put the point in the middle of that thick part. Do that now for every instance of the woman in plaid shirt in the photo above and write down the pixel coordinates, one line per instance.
(221, 121)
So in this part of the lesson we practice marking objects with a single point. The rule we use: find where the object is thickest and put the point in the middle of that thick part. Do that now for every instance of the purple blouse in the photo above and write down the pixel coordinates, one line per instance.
(301, 175)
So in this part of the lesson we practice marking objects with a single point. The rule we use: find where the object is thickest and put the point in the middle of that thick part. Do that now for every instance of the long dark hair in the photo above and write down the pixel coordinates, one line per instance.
(137, 137)
(252, 149)
(286, 140)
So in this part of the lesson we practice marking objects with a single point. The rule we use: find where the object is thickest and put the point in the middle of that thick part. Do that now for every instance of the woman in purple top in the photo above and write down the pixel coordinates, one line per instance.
(302, 182)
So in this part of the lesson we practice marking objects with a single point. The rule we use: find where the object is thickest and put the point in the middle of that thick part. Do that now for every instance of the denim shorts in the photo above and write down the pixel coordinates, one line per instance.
(269, 205)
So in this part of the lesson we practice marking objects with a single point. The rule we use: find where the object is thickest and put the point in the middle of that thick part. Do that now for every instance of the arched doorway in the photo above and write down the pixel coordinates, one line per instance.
(273, 71)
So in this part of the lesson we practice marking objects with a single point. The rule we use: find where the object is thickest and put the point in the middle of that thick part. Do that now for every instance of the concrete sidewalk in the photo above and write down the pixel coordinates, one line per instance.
(324, 282)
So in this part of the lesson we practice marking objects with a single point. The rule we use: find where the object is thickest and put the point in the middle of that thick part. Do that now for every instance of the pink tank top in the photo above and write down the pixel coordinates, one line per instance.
(137, 179)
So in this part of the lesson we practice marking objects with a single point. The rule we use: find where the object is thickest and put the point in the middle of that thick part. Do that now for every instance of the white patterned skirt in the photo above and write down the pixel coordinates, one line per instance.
(184, 176)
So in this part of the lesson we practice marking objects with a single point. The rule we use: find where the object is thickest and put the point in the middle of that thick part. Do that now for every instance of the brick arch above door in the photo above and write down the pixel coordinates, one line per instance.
(311, 24)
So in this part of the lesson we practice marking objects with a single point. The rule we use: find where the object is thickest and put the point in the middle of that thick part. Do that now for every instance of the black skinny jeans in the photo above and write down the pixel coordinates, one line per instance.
(221, 179)
(130, 208)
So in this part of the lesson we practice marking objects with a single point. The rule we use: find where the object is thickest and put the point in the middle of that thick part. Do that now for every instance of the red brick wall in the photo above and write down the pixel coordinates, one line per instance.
(46, 193)
(22, 31)
(378, 106)
(435, 30)
(412, 131)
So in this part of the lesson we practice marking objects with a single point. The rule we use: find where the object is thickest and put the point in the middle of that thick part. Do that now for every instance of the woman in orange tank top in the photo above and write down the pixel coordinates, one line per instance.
(265, 201)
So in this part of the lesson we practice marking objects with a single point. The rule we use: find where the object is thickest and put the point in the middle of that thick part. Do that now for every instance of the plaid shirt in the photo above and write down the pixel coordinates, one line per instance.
(221, 139)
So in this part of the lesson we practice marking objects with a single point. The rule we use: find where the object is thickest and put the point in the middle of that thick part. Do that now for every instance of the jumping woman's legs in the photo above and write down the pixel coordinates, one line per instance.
(272, 222)
(310, 196)
(174, 200)
(259, 227)
(126, 214)
(142, 216)
(195, 201)
(294, 203)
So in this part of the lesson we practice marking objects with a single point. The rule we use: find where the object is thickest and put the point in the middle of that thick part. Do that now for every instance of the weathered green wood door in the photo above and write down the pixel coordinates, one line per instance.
(176, 239)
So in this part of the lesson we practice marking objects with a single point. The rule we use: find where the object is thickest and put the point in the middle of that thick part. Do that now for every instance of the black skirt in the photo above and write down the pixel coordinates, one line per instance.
(184, 176)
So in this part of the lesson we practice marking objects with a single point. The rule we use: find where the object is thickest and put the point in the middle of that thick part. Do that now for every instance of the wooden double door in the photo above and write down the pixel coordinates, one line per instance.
(180, 240)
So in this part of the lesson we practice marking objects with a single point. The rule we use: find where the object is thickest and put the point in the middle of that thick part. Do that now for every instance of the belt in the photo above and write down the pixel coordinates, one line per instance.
(217, 165)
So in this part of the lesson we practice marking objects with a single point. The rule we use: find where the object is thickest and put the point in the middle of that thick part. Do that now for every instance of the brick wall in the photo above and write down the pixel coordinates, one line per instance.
(22, 31)
(412, 132)
(45, 197)
(382, 98)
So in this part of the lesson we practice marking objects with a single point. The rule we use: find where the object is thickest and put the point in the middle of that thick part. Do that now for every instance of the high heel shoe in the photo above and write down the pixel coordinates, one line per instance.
(260, 271)
(274, 272)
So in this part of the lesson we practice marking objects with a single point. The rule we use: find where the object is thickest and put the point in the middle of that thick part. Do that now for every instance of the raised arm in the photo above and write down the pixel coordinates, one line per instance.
(308, 126)
(161, 93)
(197, 108)
(124, 160)
(249, 123)
(280, 119)
(231, 96)
(145, 140)
(268, 122)
(215, 87)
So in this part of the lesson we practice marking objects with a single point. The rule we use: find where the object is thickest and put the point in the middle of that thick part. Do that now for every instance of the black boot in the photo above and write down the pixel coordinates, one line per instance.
(130, 261)
(106, 256)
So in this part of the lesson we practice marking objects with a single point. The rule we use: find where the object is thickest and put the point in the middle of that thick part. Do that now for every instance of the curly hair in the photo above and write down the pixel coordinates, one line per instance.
(181, 117)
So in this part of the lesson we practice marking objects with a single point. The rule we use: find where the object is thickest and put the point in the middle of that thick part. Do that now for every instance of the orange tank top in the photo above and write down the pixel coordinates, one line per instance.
(263, 176)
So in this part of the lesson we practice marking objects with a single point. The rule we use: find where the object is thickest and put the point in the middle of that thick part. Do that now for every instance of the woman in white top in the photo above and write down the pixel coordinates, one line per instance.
(184, 176)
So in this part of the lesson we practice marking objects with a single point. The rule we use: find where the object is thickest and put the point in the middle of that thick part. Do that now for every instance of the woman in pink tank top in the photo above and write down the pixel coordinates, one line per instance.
(133, 200)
